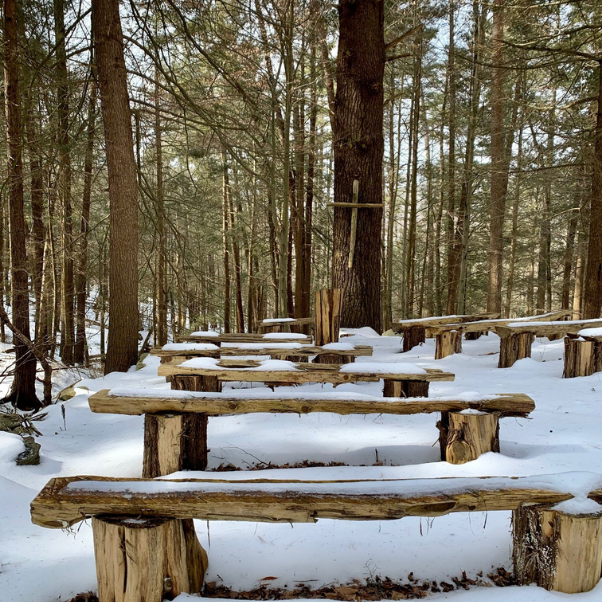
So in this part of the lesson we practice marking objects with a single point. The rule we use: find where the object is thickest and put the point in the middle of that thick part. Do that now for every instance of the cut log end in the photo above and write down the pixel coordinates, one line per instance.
(146, 560)
(464, 437)
(560, 552)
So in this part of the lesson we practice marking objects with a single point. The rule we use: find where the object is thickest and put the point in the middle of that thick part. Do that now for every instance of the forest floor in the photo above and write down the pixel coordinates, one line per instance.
(339, 558)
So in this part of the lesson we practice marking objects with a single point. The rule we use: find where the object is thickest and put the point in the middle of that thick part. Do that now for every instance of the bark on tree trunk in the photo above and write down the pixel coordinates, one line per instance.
(358, 155)
(23, 391)
(592, 303)
(498, 195)
(123, 188)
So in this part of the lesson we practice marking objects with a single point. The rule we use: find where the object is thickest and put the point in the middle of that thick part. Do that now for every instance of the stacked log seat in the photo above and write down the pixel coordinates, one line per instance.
(175, 431)
(145, 544)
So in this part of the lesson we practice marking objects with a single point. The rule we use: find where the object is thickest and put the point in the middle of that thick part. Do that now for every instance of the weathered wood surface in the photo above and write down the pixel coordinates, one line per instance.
(440, 320)
(559, 328)
(514, 348)
(493, 325)
(448, 343)
(146, 560)
(507, 404)
(240, 337)
(561, 552)
(59, 506)
(305, 373)
(284, 323)
(174, 442)
(464, 437)
(306, 351)
(327, 314)
(412, 337)
(581, 358)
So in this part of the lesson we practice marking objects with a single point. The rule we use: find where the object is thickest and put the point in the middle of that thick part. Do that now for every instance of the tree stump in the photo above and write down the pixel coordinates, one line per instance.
(206, 384)
(558, 551)
(579, 358)
(473, 336)
(448, 343)
(413, 336)
(464, 437)
(327, 316)
(146, 559)
(515, 347)
(174, 442)
(405, 388)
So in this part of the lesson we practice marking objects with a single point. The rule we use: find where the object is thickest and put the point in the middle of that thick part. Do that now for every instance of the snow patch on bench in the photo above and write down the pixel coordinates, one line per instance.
(382, 368)
(210, 363)
(190, 347)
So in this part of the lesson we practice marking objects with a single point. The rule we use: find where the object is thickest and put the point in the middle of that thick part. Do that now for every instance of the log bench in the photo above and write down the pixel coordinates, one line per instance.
(175, 423)
(516, 338)
(415, 331)
(333, 353)
(214, 338)
(448, 337)
(147, 550)
(207, 374)
(284, 324)
(583, 353)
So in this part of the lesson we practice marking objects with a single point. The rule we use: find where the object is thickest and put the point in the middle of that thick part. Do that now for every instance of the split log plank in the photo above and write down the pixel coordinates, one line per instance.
(65, 501)
(327, 313)
(507, 404)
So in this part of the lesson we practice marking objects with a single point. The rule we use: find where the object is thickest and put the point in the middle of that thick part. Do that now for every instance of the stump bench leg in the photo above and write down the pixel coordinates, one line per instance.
(579, 358)
(206, 384)
(464, 437)
(447, 343)
(174, 442)
(413, 336)
(558, 551)
(473, 336)
(515, 347)
(147, 559)
(405, 388)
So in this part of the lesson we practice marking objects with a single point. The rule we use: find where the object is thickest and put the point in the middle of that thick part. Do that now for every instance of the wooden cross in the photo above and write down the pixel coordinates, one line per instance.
(355, 205)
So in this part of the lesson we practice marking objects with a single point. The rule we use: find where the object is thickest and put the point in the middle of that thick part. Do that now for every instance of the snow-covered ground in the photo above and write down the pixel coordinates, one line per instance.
(563, 434)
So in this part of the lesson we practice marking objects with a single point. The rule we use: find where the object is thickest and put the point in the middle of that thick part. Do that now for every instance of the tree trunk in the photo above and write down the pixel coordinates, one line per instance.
(358, 155)
(23, 392)
(226, 241)
(498, 195)
(161, 284)
(123, 188)
(592, 302)
(82, 265)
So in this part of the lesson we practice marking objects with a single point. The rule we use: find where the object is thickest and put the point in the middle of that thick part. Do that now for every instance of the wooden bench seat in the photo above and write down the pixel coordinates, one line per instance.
(415, 331)
(337, 353)
(243, 337)
(516, 338)
(145, 542)
(168, 436)
(397, 383)
(284, 324)
(449, 336)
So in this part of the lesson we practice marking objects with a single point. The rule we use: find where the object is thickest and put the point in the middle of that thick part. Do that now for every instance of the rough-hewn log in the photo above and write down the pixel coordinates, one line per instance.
(146, 559)
(304, 373)
(515, 347)
(579, 358)
(546, 329)
(405, 388)
(327, 314)
(65, 501)
(440, 321)
(274, 351)
(413, 336)
(241, 337)
(174, 442)
(507, 404)
(334, 358)
(464, 437)
(561, 552)
(448, 343)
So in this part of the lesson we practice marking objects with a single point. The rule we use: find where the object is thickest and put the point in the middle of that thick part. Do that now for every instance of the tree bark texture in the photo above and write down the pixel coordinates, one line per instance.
(122, 349)
(23, 391)
(358, 155)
